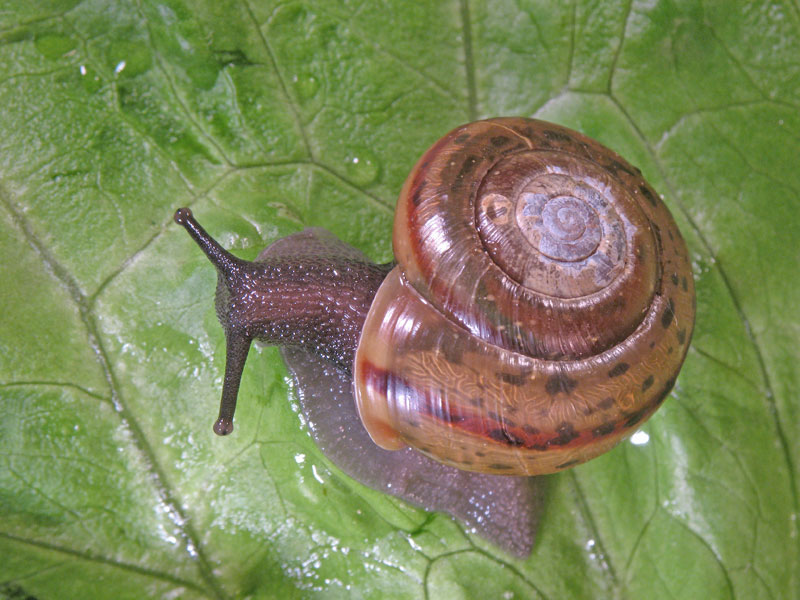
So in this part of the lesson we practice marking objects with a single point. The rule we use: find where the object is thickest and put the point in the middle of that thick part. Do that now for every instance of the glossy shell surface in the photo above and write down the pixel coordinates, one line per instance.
(541, 308)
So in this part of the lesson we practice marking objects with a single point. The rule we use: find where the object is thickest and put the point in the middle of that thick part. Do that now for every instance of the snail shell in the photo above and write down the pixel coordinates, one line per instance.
(541, 307)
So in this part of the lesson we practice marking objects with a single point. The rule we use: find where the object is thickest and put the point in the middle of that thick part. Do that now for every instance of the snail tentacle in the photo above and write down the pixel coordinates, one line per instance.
(237, 346)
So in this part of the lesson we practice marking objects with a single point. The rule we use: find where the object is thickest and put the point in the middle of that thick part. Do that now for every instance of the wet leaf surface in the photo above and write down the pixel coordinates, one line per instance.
(267, 117)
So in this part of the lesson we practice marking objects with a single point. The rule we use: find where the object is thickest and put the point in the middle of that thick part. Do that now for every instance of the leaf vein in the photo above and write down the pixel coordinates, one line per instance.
(138, 438)
(469, 61)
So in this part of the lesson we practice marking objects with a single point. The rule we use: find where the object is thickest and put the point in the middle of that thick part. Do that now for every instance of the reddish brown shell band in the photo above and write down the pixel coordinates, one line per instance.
(439, 389)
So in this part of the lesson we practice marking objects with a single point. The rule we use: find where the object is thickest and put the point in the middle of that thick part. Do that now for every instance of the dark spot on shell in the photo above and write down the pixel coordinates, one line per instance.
(498, 435)
(560, 383)
(684, 285)
(669, 233)
(504, 437)
(462, 139)
(634, 418)
(569, 463)
(479, 453)
(647, 383)
(499, 141)
(566, 433)
(604, 429)
(652, 344)
(681, 336)
(499, 467)
(665, 391)
(649, 195)
(515, 379)
(506, 423)
(416, 197)
(616, 166)
(674, 278)
(606, 403)
(668, 314)
(557, 136)
(619, 369)
(453, 353)
(530, 429)
(670, 350)
(467, 167)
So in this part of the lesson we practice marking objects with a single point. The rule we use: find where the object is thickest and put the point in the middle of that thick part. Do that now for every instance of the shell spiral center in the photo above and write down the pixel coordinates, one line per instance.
(550, 220)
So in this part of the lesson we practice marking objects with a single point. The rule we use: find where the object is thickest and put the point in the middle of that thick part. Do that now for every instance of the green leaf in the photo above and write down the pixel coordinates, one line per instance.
(267, 117)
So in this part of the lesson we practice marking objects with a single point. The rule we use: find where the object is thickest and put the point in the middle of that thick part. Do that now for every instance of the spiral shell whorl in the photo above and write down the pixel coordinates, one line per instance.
(541, 308)
(483, 232)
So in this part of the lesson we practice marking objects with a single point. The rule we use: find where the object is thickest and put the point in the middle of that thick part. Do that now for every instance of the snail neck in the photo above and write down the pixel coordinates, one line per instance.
(308, 291)
(315, 302)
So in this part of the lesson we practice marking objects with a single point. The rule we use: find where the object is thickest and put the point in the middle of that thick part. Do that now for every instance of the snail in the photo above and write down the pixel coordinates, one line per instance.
(539, 310)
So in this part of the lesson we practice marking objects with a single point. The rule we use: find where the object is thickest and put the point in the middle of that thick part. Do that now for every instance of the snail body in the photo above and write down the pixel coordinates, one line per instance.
(539, 312)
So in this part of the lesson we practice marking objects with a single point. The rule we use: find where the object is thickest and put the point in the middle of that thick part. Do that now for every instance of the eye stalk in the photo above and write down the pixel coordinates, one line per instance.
(236, 339)
(305, 291)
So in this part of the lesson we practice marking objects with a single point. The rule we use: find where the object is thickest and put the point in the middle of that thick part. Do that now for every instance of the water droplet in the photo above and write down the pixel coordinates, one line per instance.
(306, 86)
(317, 476)
(129, 59)
(640, 438)
(362, 167)
(54, 45)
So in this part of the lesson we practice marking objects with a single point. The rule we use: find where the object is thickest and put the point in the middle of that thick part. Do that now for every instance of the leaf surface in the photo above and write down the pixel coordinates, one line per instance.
(267, 117)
